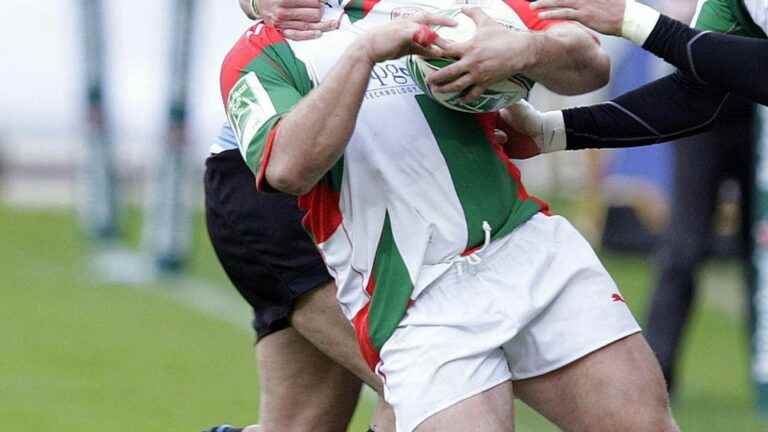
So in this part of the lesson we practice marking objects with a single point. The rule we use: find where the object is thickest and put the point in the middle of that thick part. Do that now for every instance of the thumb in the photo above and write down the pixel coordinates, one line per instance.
(500, 137)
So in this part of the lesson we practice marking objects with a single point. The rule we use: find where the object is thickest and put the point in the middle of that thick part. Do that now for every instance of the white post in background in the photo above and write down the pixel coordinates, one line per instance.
(760, 260)
(167, 228)
(98, 186)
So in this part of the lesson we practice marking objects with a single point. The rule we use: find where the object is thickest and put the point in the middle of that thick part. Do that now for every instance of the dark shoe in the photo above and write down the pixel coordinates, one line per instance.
(224, 428)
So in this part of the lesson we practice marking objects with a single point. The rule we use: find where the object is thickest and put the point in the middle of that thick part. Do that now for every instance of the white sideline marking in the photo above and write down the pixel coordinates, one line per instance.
(128, 268)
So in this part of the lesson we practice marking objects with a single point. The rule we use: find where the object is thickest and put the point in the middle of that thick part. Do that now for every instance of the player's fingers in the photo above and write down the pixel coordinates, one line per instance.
(562, 14)
(431, 20)
(298, 14)
(443, 43)
(299, 35)
(477, 15)
(428, 52)
(541, 4)
(291, 4)
(500, 137)
(449, 73)
(324, 26)
(454, 49)
(455, 86)
(424, 35)
(294, 25)
(474, 93)
(522, 117)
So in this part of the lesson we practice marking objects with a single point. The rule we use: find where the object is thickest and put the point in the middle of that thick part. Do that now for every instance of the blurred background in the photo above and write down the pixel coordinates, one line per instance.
(117, 314)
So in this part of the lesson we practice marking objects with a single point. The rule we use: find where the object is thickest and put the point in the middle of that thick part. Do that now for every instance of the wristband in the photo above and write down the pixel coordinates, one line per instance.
(553, 132)
(639, 21)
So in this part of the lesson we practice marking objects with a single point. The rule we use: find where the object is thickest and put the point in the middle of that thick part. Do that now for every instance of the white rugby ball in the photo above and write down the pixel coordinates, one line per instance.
(497, 96)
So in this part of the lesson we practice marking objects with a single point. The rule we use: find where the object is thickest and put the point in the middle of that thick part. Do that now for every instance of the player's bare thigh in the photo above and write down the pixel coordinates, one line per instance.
(489, 411)
(618, 387)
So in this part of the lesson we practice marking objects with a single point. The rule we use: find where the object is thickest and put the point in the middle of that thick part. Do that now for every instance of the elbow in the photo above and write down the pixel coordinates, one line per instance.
(599, 70)
(287, 179)
(590, 64)
(602, 69)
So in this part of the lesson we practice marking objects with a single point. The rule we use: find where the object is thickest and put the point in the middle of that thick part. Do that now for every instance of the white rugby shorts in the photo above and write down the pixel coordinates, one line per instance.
(536, 300)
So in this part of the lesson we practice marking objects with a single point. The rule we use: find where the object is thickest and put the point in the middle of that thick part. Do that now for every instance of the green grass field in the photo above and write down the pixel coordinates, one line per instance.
(79, 355)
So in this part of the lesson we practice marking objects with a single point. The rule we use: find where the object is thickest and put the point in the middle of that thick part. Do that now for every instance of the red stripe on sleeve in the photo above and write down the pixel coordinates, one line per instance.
(261, 176)
(247, 48)
(323, 216)
(368, 5)
(530, 16)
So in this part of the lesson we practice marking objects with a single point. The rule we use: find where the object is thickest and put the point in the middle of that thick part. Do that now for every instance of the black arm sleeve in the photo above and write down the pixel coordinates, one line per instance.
(739, 64)
(672, 107)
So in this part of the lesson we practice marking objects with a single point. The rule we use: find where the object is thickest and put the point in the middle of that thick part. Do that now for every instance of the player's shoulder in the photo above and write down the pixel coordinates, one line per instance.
(256, 40)
(257, 51)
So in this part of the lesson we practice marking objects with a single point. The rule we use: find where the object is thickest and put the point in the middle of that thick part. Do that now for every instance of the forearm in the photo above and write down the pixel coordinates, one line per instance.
(670, 108)
(568, 60)
(737, 63)
(312, 137)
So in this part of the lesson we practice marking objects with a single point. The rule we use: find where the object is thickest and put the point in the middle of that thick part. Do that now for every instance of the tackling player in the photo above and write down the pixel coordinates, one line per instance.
(306, 348)
(682, 104)
(462, 291)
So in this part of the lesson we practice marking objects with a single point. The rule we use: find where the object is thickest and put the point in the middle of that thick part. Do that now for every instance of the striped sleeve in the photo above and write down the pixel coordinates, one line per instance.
(261, 81)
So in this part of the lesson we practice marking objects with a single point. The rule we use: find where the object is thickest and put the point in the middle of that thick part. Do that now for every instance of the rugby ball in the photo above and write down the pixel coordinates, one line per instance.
(497, 96)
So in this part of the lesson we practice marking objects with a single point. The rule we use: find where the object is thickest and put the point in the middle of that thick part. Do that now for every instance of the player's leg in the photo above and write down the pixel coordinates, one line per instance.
(581, 361)
(616, 388)
(318, 317)
(489, 411)
(274, 265)
(683, 247)
(301, 388)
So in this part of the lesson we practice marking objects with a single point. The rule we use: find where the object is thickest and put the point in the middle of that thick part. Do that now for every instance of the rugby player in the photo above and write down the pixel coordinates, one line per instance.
(462, 290)
(310, 366)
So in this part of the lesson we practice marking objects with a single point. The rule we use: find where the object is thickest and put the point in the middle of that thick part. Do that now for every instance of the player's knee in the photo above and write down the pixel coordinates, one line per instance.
(654, 416)
(654, 422)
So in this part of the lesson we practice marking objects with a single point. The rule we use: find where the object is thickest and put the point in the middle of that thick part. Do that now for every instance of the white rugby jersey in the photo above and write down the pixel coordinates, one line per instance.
(417, 182)
(758, 10)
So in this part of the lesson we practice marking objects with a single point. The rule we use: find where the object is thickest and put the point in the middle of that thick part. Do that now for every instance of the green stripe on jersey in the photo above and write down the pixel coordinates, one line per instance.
(283, 76)
(355, 10)
(484, 187)
(727, 16)
(273, 82)
(392, 289)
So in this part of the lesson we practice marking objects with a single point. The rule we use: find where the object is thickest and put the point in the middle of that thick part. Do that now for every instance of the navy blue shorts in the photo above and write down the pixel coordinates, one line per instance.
(260, 242)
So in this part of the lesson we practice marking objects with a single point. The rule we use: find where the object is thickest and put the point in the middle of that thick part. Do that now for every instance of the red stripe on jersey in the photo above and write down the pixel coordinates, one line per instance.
(261, 175)
(530, 17)
(323, 216)
(369, 352)
(248, 47)
(488, 123)
(368, 5)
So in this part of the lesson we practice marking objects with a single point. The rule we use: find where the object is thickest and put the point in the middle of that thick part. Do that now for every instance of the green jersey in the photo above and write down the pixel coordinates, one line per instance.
(738, 17)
